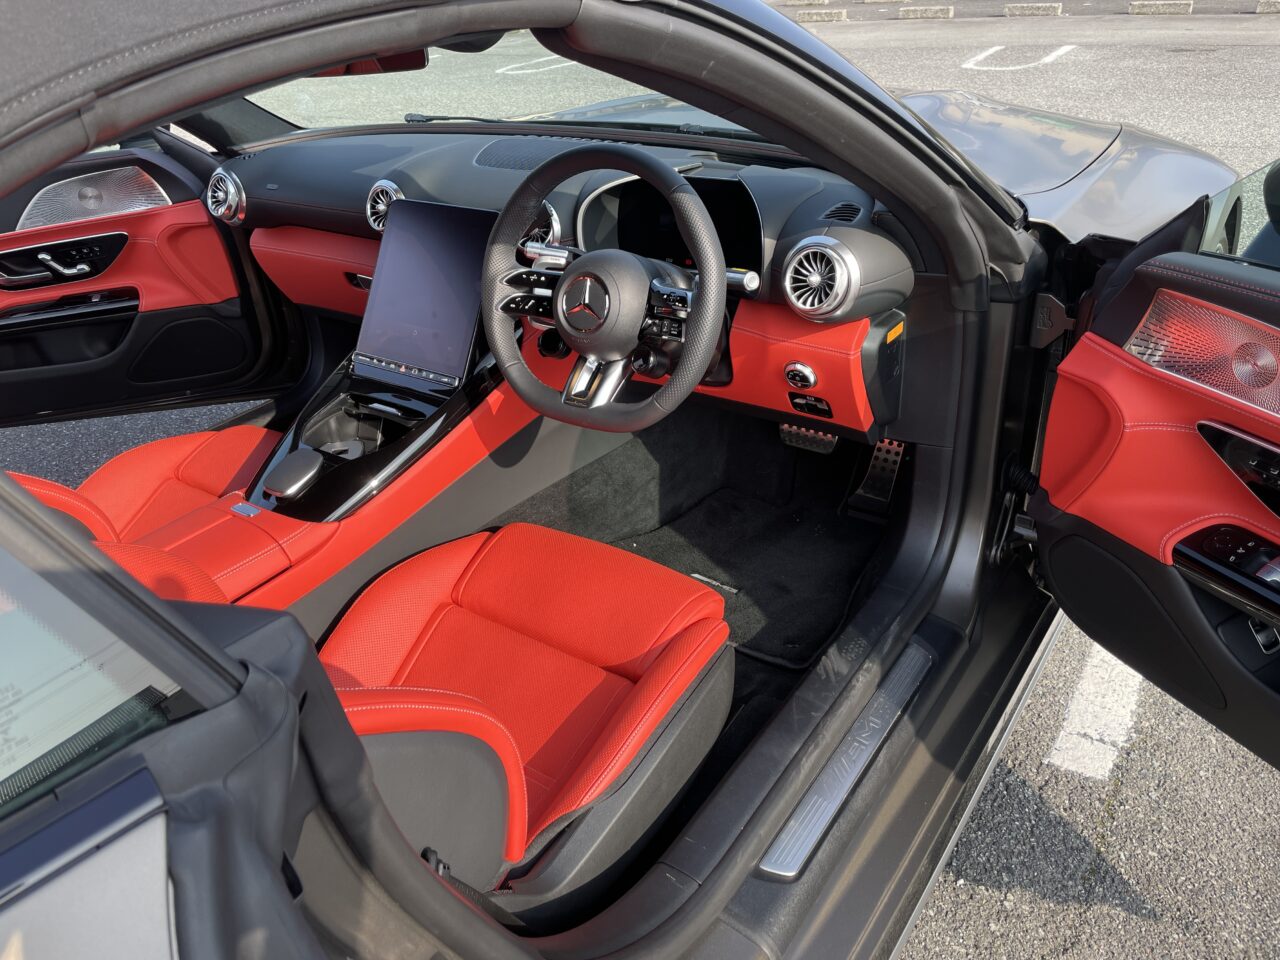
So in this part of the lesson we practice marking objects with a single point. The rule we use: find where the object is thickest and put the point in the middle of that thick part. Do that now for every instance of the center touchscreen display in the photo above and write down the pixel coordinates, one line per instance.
(420, 324)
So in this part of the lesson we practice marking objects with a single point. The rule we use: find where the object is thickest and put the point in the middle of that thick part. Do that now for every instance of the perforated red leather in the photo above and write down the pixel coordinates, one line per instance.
(1122, 451)
(144, 488)
(577, 649)
(174, 578)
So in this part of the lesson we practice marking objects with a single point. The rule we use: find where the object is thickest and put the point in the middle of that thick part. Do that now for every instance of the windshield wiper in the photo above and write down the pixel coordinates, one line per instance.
(445, 118)
(690, 129)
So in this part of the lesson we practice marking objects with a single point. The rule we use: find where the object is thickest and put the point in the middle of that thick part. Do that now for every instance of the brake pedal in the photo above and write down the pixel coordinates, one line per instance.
(815, 441)
(876, 489)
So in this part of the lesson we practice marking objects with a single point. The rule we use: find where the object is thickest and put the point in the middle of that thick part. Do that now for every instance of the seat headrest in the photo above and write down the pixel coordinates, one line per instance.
(1271, 193)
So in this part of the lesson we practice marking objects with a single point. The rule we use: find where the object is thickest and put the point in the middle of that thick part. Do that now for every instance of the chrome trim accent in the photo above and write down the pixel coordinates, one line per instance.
(8, 282)
(804, 370)
(224, 197)
(578, 238)
(799, 837)
(375, 211)
(593, 383)
(150, 196)
(844, 278)
(76, 270)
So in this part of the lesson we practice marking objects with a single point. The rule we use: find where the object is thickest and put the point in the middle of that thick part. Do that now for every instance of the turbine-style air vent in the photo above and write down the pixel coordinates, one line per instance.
(546, 229)
(820, 278)
(381, 195)
(225, 197)
(843, 213)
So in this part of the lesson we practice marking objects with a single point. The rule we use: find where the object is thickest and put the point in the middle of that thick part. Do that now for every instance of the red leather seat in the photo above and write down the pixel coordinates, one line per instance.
(142, 489)
(562, 655)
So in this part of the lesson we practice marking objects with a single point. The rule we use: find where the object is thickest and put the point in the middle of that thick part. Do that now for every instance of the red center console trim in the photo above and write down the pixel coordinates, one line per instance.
(174, 258)
(311, 266)
(494, 421)
(1122, 451)
(236, 552)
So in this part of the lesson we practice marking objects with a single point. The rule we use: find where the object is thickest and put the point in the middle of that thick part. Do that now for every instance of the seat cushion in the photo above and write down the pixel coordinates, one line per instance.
(145, 488)
(577, 650)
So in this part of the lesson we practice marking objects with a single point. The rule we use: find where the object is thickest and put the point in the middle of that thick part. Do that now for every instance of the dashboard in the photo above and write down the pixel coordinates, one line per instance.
(812, 334)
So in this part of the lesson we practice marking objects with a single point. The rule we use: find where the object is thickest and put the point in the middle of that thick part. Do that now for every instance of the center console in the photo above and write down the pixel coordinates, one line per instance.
(413, 375)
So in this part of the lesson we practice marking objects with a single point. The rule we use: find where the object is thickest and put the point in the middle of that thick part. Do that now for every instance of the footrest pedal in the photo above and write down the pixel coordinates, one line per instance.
(806, 438)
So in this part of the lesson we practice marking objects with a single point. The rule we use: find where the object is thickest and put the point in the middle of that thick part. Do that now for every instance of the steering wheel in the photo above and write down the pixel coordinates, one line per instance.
(607, 302)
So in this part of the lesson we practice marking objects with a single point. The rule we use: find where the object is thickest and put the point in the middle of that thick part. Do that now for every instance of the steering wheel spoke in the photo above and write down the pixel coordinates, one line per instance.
(593, 383)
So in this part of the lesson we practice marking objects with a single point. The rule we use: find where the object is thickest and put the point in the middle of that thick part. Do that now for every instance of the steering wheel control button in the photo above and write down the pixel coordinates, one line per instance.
(584, 303)
(800, 375)
(528, 305)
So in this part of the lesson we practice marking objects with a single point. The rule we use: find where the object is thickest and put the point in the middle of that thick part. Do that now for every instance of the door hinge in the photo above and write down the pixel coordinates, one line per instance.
(1050, 321)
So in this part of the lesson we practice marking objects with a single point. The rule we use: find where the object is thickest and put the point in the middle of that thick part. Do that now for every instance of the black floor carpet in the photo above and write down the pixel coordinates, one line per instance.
(786, 571)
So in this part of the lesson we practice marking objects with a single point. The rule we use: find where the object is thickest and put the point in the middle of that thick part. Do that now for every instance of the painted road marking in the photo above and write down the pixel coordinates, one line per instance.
(975, 63)
(531, 66)
(1099, 717)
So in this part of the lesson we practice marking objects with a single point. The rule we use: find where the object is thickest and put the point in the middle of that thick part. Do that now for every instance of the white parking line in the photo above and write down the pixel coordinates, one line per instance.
(1099, 717)
(514, 69)
(975, 63)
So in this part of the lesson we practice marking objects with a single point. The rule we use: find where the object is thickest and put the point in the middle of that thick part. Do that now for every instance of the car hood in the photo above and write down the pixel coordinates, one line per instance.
(1079, 176)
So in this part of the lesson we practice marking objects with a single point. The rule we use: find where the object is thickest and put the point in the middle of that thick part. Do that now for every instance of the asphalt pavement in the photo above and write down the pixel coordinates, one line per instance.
(1116, 824)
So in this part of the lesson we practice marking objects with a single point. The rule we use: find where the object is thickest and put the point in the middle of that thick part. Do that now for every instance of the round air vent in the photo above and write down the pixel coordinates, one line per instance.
(546, 229)
(381, 195)
(225, 197)
(821, 278)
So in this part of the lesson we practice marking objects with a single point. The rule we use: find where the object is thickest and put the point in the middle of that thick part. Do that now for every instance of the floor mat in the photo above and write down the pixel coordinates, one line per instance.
(785, 571)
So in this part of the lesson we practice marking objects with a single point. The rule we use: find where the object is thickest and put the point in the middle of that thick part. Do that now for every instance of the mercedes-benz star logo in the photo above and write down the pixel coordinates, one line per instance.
(585, 303)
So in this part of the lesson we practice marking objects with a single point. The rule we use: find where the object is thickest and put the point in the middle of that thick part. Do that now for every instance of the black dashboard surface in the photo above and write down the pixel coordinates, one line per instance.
(324, 182)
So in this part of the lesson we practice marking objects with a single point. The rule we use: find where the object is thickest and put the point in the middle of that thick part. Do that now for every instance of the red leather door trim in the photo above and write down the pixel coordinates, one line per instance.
(311, 266)
(174, 258)
(1122, 451)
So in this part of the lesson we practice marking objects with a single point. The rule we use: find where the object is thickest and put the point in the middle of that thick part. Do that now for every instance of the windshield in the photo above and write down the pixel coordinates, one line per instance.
(516, 79)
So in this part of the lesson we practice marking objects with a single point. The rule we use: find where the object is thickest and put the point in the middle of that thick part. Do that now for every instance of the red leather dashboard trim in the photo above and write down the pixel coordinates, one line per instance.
(174, 258)
(1122, 451)
(311, 266)
(765, 337)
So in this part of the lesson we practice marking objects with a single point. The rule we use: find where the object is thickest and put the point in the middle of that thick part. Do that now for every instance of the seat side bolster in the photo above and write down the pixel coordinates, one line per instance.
(383, 710)
(633, 723)
(68, 501)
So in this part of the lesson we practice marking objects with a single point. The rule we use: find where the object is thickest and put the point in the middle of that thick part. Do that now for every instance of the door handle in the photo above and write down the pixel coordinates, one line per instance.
(8, 280)
(72, 271)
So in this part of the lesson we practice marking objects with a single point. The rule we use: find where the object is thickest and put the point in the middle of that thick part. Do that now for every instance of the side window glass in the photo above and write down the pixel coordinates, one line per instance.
(71, 691)
(1244, 220)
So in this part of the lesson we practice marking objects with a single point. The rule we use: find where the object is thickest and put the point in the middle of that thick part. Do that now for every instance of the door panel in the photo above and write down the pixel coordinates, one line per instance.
(1160, 472)
(126, 293)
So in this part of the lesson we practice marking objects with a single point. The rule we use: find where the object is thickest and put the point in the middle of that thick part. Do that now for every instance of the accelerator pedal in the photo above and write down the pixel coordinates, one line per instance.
(815, 441)
(872, 497)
